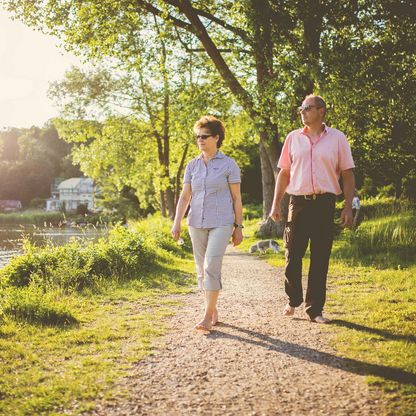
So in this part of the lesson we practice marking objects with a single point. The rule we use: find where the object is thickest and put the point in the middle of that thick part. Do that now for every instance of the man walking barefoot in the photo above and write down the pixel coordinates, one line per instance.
(312, 160)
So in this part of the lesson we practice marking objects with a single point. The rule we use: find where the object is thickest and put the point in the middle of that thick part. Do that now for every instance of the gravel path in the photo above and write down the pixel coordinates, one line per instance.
(256, 362)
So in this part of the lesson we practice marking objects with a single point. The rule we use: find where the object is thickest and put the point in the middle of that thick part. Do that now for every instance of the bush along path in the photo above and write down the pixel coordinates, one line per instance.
(255, 362)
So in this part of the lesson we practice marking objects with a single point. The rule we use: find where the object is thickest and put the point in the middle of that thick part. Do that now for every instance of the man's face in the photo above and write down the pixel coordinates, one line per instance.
(310, 113)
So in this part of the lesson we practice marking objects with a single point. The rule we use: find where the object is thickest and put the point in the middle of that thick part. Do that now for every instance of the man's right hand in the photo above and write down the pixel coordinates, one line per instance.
(276, 213)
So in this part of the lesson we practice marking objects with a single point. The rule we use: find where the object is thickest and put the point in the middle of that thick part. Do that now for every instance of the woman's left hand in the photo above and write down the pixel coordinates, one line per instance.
(237, 236)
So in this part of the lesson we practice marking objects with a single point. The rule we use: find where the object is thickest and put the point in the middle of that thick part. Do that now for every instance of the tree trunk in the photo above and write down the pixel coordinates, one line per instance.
(162, 203)
(170, 202)
(179, 173)
(269, 228)
(398, 188)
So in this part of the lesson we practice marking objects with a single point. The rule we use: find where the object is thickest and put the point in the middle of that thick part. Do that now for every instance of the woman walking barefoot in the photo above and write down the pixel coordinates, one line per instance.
(211, 185)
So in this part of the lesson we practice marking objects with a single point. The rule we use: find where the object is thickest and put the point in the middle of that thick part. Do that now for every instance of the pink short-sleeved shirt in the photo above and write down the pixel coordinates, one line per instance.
(315, 167)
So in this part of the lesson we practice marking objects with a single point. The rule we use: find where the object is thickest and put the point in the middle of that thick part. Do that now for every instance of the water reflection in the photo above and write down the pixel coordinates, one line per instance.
(11, 237)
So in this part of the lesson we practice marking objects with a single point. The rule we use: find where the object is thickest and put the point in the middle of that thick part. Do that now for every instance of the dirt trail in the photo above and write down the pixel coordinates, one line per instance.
(256, 362)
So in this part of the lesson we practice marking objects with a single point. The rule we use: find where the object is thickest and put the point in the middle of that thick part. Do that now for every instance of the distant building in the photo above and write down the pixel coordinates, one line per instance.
(10, 205)
(71, 193)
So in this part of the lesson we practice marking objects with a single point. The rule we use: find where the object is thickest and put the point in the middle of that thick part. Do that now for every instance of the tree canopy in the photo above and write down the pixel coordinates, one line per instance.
(184, 58)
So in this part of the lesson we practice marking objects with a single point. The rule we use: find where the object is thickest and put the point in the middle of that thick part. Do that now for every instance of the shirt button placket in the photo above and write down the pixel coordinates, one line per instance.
(205, 194)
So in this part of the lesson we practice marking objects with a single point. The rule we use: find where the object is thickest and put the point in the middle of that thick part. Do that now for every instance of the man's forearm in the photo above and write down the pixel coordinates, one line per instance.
(282, 182)
(348, 179)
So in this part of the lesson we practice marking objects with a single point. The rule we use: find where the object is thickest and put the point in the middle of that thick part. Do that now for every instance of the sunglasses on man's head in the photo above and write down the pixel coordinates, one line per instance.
(203, 136)
(307, 107)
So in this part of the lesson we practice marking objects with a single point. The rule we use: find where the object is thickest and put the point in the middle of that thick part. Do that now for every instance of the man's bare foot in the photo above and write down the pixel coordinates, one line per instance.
(321, 320)
(214, 319)
(204, 325)
(289, 310)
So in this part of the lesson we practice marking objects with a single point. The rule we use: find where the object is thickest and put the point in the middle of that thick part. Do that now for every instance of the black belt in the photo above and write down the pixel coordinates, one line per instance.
(312, 197)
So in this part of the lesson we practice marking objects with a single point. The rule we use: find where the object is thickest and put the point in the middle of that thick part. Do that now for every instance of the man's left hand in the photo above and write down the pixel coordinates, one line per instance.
(346, 217)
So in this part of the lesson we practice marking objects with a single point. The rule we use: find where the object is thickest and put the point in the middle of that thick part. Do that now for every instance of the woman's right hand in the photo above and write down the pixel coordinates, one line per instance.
(176, 231)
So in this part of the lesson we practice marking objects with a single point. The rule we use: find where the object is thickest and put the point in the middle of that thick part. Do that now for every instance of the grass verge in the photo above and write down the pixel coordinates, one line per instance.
(64, 347)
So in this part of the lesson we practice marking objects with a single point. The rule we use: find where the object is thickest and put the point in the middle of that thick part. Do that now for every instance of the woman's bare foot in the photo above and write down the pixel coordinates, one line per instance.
(214, 319)
(204, 325)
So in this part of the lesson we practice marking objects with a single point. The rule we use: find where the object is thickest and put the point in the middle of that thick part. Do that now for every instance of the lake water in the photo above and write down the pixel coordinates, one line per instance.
(11, 237)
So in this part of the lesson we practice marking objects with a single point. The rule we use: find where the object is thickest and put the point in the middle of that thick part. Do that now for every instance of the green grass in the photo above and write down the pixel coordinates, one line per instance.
(37, 217)
(63, 347)
(43, 218)
(372, 299)
(384, 242)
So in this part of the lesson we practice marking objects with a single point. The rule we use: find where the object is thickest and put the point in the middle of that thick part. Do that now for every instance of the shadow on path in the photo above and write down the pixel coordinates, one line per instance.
(380, 332)
(315, 356)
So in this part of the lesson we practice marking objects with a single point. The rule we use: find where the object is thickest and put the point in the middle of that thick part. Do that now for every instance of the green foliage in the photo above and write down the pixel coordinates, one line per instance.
(251, 211)
(389, 241)
(386, 236)
(31, 159)
(386, 191)
(386, 206)
(379, 49)
(43, 218)
(269, 55)
(84, 315)
(35, 306)
(37, 203)
(79, 265)
(82, 209)
(368, 189)
(157, 230)
(32, 217)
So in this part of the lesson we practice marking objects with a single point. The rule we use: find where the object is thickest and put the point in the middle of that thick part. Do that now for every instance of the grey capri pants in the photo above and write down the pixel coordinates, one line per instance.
(209, 246)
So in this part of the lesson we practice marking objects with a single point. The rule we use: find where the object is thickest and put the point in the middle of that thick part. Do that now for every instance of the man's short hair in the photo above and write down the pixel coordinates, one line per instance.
(319, 101)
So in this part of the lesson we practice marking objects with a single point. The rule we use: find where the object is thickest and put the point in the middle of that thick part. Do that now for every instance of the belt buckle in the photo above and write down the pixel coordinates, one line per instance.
(310, 197)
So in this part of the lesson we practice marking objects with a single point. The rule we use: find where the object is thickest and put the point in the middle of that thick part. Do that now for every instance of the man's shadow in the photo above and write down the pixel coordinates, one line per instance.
(316, 356)
(375, 331)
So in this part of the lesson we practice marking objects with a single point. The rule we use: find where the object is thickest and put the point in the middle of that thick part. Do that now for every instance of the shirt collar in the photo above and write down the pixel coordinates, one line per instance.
(325, 130)
(218, 155)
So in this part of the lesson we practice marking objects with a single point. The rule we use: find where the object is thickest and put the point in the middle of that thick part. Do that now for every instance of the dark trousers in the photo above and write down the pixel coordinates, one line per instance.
(309, 220)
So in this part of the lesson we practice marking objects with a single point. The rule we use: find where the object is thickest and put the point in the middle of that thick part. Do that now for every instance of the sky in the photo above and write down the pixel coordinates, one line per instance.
(29, 61)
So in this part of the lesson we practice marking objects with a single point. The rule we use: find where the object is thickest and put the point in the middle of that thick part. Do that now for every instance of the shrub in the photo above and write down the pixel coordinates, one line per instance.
(380, 207)
(252, 211)
(37, 203)
(156, 229)
(78, 265)
(386, 191)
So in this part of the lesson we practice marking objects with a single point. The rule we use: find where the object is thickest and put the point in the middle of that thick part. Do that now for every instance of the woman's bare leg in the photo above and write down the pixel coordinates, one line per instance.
(211, 297)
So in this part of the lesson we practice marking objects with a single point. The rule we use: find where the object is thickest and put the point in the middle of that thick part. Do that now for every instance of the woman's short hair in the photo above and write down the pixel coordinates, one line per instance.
(214, 125)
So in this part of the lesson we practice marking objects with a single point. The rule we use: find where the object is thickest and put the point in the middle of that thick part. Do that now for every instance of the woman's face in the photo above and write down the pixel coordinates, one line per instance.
(205, 140)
